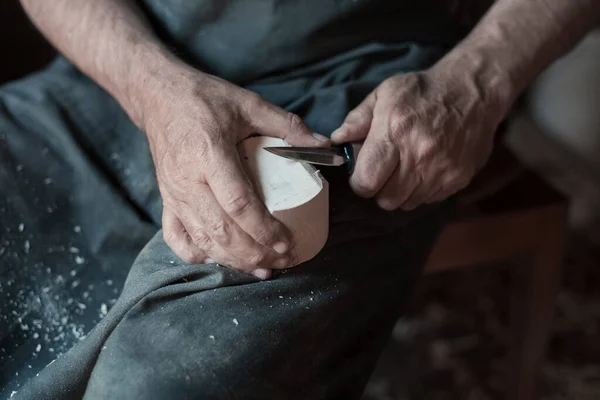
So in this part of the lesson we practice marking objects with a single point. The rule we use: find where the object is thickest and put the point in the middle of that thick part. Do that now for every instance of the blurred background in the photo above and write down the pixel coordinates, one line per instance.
(454, 343)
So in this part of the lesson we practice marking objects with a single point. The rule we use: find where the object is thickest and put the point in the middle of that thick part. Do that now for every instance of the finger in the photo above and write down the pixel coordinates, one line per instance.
(447, 189)
(358, 122)
(419, 195)
(375, 163)
(437, 189)
(271, 120)
(236, 196)
(221, 256)
(178, 240)
(262, 273)
(437, 196)
(397, 189)
(182, 245)
(440, 195)
(210, 227)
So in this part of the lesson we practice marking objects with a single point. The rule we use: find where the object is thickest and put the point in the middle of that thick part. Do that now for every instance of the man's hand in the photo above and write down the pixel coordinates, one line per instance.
(211, 211)
(425, 135)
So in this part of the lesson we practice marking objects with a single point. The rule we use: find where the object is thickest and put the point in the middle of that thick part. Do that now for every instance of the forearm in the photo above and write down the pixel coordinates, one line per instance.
(109, 40)
(515, 41)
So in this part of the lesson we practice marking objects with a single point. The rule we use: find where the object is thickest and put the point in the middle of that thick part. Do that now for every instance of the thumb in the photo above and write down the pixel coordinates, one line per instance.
(357, 123)
(271, 120)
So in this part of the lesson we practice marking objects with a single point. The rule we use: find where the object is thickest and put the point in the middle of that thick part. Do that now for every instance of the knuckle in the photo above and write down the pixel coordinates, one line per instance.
(256, 259)
(202, 151)
(400, 123)
(219, 231)
(254, 103)
(383, 150)
(266, 236)
(237, 203)
(295, 122)
(170, 238)
(365, 188)
(200, 238)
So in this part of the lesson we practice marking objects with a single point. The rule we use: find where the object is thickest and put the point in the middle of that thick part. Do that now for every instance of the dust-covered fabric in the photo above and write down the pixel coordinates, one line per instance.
(80, 206)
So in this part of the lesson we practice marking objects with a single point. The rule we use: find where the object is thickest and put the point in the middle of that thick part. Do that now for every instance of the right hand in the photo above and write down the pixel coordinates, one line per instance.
(210, 210)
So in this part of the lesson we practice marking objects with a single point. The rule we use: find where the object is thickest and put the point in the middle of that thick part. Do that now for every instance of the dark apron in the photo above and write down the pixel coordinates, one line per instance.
(80, 201)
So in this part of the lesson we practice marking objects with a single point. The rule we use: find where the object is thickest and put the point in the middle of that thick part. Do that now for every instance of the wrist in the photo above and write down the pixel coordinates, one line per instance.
(478, 72)
(144, 80)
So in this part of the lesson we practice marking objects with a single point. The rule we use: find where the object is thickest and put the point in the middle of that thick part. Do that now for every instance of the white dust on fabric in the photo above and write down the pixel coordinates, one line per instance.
(42, 309)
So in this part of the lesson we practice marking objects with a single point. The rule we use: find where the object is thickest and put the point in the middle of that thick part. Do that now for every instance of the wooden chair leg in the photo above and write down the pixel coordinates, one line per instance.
(540, 289)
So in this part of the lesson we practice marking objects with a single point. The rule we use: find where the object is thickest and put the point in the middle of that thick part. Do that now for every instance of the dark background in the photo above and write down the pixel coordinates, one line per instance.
(22, 48)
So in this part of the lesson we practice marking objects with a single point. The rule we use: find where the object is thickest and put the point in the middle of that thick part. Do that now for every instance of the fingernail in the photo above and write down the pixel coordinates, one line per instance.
(281, 247)
(320, 137)
(281, 263)
(262, 273)
(336, 133)
(208, 261)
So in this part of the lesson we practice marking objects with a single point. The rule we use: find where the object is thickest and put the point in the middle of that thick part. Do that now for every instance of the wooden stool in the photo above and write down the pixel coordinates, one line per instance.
(509, 212)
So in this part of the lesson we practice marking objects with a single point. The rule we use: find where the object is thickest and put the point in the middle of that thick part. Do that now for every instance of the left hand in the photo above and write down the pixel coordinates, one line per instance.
(425, 136)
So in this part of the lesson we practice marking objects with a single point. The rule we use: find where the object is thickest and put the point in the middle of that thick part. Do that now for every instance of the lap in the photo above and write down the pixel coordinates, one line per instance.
(314, 332)
(178, 329)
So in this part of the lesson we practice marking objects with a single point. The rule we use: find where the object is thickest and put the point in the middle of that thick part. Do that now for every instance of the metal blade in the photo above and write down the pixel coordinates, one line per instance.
(313, 155)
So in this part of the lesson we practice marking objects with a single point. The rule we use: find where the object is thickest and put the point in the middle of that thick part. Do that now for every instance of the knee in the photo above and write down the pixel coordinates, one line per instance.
(180, 348)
